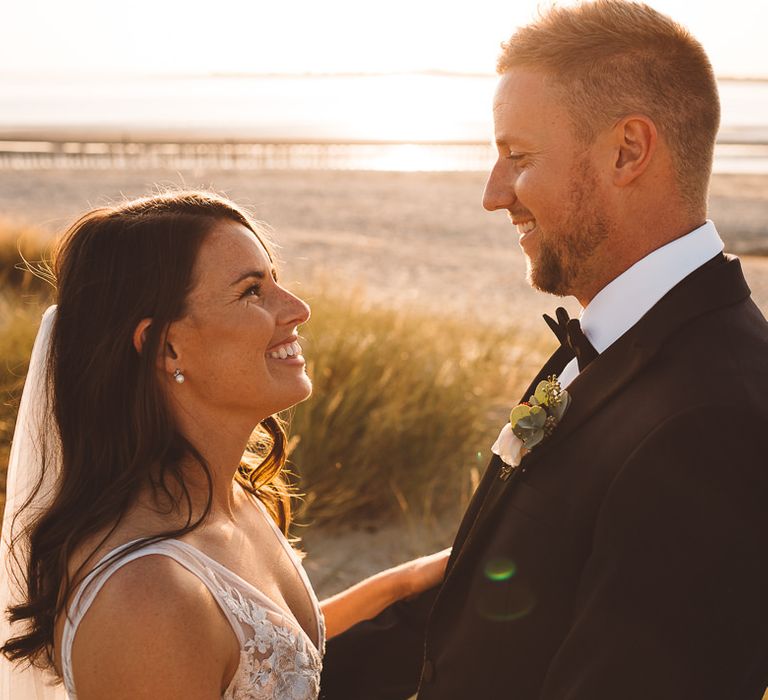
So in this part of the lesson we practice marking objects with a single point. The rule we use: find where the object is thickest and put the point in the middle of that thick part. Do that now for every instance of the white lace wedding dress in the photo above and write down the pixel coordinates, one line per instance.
(278, 660)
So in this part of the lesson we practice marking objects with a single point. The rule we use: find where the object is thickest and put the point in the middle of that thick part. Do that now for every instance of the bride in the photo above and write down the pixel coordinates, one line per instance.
(148, 551)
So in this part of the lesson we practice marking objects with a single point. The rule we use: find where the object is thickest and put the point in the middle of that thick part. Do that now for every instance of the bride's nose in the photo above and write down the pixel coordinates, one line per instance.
(293, 311)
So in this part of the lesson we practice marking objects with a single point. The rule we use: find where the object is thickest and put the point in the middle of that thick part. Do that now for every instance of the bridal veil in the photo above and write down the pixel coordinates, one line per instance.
(35, 442)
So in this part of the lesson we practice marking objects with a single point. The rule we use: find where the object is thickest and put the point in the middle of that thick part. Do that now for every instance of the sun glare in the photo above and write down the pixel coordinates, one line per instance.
(407, 157)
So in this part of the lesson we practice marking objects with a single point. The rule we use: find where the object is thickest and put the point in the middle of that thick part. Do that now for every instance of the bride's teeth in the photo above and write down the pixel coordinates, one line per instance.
(285, 351)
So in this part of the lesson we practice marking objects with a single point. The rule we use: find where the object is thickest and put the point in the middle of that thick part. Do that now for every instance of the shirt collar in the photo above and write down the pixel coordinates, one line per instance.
(626, 299)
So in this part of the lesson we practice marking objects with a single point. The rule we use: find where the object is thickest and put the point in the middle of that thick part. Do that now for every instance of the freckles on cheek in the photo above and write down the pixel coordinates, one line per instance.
(213, 340)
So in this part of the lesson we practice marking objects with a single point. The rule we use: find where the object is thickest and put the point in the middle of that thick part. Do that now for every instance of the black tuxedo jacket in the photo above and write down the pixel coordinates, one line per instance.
(627, 557)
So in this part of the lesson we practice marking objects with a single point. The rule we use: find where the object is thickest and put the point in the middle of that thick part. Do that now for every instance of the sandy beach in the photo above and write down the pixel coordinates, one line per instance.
(421, 238)
(414, 238)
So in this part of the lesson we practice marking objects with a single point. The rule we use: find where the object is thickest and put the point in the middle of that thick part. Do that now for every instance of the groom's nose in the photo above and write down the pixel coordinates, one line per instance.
(499, 189)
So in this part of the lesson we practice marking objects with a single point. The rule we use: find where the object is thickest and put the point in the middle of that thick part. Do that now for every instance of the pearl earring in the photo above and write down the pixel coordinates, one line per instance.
(178, 376)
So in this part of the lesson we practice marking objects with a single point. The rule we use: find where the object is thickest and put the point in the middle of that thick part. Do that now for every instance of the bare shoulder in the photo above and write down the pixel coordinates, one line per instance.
(166, 629)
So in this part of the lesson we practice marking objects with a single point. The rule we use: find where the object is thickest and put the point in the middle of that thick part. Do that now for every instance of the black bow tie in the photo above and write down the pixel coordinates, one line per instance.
(569, 333)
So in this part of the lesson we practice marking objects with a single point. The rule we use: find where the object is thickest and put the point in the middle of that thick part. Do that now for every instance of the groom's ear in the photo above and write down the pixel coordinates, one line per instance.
(635, 139)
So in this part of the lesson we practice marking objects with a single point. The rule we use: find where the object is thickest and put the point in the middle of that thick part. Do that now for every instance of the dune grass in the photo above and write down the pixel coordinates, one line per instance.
(405, 407)
(22, 247)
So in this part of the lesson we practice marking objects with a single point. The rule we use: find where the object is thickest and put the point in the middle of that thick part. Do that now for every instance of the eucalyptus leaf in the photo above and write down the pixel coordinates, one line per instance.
(538, 416)
(541, 393)
(524, 432)
(518, 412)
(533, 440)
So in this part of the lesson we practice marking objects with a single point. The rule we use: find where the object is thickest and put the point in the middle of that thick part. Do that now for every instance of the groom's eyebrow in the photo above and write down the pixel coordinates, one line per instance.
(511, 142)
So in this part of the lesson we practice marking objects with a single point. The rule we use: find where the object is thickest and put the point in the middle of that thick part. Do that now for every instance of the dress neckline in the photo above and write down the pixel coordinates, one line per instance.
(279, 609)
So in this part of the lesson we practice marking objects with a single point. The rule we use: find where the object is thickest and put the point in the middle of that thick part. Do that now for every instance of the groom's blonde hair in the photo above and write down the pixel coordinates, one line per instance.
(611, 58)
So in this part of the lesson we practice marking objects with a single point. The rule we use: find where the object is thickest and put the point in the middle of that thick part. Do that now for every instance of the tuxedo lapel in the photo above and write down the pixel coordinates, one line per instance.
(554, 365)
(716, 284)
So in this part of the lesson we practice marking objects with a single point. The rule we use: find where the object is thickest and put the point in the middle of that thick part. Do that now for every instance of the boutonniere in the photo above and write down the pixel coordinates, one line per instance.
(530, 422)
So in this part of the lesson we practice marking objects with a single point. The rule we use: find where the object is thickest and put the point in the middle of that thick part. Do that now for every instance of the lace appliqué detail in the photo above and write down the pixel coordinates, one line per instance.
(277, 661)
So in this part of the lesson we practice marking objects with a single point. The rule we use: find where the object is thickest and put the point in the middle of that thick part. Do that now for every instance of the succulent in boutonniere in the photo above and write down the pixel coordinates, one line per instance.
(531, 422)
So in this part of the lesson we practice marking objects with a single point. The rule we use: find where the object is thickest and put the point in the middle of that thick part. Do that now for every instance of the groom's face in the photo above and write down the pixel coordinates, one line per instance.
(548, 182)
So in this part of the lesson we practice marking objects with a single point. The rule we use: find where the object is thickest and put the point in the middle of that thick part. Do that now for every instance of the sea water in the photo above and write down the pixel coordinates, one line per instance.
(385, 122)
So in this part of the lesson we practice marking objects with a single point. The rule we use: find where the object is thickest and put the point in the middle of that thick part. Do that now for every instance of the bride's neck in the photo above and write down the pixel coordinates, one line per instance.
(221, 442)
(183, 492)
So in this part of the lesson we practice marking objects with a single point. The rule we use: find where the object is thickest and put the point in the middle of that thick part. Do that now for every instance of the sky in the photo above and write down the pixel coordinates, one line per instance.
(84, 37)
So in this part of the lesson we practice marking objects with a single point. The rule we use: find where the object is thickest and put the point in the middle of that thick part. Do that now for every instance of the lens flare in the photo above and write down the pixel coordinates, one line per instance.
(500, 569)
(504, 594)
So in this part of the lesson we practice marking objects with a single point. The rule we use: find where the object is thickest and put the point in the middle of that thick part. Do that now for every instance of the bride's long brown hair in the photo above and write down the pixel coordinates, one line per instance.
(113, 268)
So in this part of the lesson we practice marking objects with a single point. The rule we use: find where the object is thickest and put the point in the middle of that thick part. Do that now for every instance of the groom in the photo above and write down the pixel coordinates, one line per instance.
(626, 557)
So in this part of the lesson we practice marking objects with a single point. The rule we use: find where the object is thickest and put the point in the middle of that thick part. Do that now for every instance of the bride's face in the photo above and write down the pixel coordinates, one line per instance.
(238, 344)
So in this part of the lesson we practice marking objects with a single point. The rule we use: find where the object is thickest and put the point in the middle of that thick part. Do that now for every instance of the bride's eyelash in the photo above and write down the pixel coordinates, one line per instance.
(252, 288)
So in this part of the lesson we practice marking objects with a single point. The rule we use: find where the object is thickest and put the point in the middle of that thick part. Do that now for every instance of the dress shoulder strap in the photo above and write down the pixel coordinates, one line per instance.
(189, 557)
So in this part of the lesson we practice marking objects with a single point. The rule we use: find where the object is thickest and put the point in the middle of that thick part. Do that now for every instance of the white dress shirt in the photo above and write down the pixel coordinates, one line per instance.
(623, 302)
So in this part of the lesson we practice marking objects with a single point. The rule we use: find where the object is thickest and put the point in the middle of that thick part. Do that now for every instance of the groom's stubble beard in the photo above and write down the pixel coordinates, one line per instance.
(567, 254)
